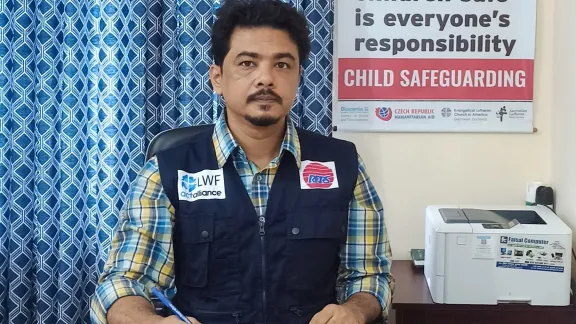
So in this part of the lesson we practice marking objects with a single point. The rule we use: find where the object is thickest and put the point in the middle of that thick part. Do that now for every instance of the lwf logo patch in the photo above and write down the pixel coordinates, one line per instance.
(318, 175)
(206, 184)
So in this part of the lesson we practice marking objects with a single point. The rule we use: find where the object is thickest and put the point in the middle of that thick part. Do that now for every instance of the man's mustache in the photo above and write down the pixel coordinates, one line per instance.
(264, 94)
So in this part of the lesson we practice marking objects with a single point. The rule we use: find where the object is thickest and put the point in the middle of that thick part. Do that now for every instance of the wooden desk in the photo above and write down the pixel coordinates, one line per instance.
(412, 304)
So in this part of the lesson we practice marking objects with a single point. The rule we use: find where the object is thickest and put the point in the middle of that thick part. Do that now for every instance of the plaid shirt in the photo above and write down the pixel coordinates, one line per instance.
(142, 254)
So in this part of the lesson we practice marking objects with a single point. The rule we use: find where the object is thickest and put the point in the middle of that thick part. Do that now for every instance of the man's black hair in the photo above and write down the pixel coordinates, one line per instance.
(258, 13)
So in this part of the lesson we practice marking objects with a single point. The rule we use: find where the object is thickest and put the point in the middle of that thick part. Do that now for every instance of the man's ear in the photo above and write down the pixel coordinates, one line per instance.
(215, 73)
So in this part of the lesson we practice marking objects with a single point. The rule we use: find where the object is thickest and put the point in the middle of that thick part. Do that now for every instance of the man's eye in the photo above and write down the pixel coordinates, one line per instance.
(283, 65)
(246, 63)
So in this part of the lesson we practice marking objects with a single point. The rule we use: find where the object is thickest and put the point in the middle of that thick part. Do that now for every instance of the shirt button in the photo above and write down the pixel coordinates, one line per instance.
(258, 178)
(204, 234)
(295, 230)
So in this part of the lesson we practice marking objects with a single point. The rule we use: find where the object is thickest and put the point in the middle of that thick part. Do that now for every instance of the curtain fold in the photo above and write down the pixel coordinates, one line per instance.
(84, 86)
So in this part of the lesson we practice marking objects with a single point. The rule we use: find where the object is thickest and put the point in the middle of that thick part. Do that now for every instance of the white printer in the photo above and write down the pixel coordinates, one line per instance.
(496, 254)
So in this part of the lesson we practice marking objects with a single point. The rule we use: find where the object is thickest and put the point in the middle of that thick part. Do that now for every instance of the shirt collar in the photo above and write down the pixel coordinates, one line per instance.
(225, 144)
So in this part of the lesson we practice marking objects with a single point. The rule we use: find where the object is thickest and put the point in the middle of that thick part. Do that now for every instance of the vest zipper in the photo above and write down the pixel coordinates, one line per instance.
(261, 222)
(237, 316)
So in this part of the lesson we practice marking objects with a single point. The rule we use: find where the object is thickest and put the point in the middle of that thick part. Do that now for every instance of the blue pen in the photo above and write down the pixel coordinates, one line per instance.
(169, 304)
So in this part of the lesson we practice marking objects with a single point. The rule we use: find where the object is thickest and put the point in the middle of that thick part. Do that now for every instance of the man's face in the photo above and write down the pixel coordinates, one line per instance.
(259, 76)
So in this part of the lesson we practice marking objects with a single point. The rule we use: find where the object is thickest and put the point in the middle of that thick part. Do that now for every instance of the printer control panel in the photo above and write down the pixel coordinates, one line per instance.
(492, 226)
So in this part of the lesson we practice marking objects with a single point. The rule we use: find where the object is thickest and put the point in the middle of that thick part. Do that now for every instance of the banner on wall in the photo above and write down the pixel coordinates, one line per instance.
(434, 66)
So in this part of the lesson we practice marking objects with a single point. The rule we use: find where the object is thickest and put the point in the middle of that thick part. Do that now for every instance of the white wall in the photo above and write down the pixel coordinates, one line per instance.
(563, 142)
(411, 171)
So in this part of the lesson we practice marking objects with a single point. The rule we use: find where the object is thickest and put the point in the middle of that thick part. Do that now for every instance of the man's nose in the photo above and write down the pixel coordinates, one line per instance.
(265, 77)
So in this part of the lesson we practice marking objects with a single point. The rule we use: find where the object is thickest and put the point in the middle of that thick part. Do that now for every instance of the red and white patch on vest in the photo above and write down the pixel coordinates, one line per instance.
(318, 175)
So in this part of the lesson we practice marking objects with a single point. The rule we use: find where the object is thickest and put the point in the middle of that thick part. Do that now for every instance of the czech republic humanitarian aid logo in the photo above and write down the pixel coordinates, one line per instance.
(318, 175)
(384, 113)
(206, 184)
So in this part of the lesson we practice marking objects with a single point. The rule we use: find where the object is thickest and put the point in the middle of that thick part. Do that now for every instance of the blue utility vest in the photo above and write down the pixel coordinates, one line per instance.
(235, 266)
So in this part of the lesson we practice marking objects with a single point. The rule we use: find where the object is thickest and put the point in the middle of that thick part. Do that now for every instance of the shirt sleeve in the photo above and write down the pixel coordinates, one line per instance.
(141, 253)
(366, 256)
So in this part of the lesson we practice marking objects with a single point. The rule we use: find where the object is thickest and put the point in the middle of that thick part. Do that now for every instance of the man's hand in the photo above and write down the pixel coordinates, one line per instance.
(338, 314)
(136, 309)
(360, 308)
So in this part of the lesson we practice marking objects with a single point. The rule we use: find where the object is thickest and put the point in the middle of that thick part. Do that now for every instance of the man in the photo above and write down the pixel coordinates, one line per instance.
(254, 221)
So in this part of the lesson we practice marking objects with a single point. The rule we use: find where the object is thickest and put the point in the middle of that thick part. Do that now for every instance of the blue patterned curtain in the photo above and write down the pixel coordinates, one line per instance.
(84, 86)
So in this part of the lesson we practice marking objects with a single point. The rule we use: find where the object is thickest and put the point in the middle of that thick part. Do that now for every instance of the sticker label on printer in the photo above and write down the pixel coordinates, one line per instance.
(484, 247)
(519, 252)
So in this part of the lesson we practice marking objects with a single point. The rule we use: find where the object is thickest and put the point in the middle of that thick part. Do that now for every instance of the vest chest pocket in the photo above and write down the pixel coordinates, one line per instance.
(210, 255)
(314, 238)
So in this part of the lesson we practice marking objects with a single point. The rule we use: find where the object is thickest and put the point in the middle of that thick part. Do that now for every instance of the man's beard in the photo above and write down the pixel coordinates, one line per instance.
(262, 121)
